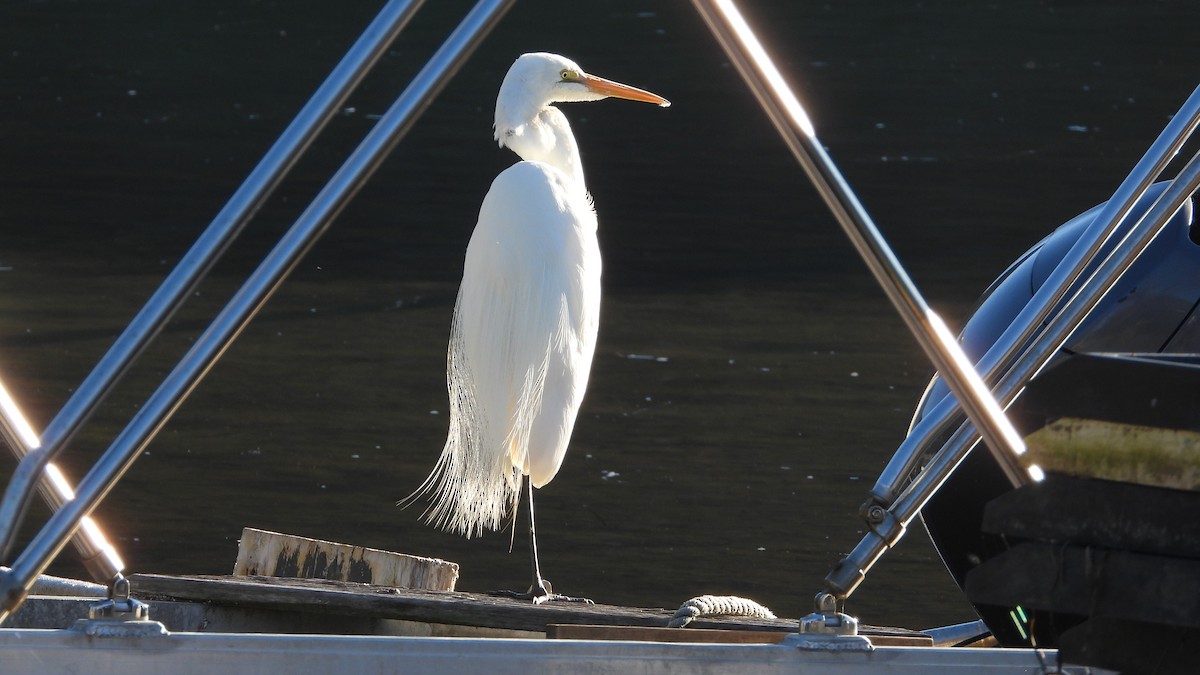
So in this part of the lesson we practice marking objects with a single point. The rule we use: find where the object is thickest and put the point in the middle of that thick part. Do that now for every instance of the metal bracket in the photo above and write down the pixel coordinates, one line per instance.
(819, 642)
(120, 615)
(828, 629)
(827, 620)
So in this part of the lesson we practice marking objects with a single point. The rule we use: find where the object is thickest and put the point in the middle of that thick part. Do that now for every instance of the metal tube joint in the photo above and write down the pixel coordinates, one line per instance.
(850, 571)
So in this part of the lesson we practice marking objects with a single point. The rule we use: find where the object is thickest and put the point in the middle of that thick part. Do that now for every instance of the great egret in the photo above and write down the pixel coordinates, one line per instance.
(528, 309)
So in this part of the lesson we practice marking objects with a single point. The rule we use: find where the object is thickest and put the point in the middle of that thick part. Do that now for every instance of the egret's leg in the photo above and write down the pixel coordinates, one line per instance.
(541, 590)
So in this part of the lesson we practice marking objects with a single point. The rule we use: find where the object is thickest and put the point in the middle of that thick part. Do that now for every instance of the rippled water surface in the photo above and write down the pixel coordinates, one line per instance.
(750, 381)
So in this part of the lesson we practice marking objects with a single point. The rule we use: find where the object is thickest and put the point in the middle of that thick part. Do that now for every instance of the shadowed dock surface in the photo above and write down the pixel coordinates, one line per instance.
(443, 607)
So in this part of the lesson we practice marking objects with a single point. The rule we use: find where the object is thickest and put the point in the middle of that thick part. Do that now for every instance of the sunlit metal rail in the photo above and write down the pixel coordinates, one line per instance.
(99, 556)
(1017, 337)
(887, 525)
(1015, 358)
(36, 454)
(790, 119)
(228, 324)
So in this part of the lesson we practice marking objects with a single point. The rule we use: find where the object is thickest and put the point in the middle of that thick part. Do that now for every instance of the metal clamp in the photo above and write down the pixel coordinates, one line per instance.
(119, 615)
(826, 620)
(828, 629)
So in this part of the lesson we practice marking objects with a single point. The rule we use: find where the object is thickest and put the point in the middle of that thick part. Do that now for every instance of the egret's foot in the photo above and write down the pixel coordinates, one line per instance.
(541, 592)
(559, 597)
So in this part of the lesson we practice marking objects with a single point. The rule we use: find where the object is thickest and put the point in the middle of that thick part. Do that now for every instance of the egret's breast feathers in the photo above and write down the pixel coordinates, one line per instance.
(527, 309)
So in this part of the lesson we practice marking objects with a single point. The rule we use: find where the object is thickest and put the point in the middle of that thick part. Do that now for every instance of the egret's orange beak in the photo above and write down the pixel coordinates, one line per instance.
(604, 87)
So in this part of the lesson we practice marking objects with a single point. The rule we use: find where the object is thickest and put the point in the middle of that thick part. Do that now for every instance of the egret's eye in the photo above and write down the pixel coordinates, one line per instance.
(569, 75)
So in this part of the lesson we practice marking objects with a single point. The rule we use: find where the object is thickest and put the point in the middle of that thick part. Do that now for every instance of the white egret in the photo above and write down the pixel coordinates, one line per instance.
(528, 310)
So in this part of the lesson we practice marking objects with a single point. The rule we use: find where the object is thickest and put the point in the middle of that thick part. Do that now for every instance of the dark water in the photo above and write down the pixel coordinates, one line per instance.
(735, 460)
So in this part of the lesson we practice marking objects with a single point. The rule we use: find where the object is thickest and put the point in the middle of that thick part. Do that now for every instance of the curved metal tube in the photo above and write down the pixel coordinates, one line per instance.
(789, 118)
(1001, 356)
(893, 505)
(192, 267)
(892, 523)
(99, 556)
(1052, 338)
(249, 299)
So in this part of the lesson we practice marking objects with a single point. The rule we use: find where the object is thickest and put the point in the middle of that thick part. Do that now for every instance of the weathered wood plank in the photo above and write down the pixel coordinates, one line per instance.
(560, 631)
(710, 636)
(273, 554)
(1168, 458)
(468, 609)
(1116, 416)
(454, 608)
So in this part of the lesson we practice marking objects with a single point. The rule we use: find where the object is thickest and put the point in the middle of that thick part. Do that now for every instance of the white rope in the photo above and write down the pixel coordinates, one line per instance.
(717, 605)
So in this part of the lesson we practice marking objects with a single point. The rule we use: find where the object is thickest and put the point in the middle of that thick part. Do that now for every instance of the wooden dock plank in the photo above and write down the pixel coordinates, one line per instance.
(880, 638)
(647, 634)
(455, 607)
(273, 554)
(436, 607)
(451, 607)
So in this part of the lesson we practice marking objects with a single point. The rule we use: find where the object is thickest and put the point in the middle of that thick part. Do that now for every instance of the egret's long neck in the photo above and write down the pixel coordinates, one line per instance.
(546, 137)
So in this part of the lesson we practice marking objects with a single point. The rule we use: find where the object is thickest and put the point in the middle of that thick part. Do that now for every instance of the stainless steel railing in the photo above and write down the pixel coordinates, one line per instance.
(1021, 351)
(36, 454)
(790, 119)
(1001, 356)
(261, 284)
(888, 522)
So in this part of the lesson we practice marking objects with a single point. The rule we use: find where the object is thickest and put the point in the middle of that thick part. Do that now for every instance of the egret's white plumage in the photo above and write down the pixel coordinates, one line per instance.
(528, 309)
(521, 345)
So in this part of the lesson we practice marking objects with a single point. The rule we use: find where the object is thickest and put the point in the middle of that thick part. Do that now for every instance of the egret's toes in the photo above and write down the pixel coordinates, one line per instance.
(557, 597)
(541, 591)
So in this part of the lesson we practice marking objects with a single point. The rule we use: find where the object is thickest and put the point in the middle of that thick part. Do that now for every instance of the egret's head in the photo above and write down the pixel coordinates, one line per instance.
(538, 79)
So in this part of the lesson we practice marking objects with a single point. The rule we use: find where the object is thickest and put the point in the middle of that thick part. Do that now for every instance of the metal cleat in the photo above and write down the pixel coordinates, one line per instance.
(119, 615)
(827, 629)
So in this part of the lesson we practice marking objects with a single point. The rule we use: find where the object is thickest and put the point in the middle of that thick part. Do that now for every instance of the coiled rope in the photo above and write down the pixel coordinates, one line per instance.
(717, 605)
